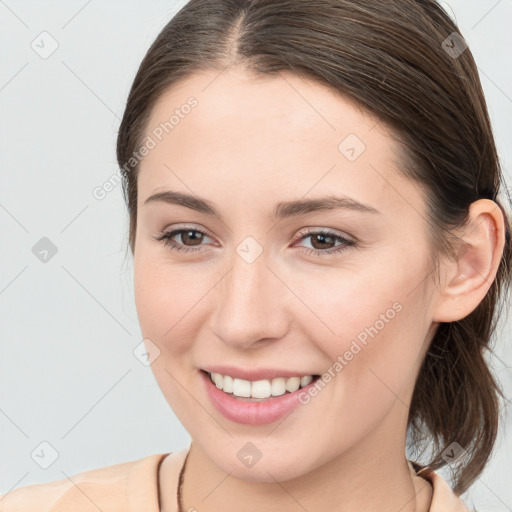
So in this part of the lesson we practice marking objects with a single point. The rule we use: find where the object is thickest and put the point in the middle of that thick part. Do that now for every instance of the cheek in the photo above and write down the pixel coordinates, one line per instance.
(156, 295)
(168, 300)
(371, 330)
(150, 300)
(163, 300)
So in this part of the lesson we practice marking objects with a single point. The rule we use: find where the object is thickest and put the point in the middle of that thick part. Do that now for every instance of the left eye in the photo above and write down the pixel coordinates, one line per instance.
(326, 237)
(195, 236)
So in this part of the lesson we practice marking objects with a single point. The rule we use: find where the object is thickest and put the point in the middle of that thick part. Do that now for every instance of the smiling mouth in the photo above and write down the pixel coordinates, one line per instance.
(259, 390)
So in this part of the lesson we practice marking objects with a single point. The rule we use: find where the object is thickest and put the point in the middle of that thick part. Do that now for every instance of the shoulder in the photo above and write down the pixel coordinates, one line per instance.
(443, 497)
(110, 489)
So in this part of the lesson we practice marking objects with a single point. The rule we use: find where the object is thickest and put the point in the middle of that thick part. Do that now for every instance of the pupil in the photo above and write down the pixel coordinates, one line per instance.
(187, 234)
(323, 238)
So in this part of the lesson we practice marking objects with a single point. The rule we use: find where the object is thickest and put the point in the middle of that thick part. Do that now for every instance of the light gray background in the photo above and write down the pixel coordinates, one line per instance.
(68, 327)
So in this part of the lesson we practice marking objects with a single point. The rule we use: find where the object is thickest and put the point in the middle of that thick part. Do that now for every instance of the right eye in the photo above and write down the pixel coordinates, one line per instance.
(187, 235)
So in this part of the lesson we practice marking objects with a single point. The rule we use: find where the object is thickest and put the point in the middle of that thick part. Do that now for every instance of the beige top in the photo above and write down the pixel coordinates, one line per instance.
(133, 487)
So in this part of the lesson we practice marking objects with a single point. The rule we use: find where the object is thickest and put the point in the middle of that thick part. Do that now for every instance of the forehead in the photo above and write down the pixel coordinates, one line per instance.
(264, 106)
(282, 135)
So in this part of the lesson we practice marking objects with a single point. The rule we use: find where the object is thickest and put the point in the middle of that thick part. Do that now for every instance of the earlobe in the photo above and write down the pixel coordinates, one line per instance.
(471, 272)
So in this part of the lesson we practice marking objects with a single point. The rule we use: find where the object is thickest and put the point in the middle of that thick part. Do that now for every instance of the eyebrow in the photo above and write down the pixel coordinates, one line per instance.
(282, 210)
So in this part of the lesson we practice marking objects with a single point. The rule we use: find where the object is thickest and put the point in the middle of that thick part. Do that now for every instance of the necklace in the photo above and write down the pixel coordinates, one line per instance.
(180, 483)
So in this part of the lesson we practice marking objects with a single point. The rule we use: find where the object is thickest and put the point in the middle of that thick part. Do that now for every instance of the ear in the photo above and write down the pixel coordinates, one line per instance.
(468, 276)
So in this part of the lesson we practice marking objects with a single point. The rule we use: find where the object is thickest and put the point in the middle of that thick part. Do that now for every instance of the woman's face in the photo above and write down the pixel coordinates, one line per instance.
(258, 292)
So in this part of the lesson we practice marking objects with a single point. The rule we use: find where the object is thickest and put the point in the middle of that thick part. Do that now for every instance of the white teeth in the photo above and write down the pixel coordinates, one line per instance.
(241, 387)
(259, 388)
(292, 384)
(278, 386)
(227, 383)
(304, 381)
(217, 379)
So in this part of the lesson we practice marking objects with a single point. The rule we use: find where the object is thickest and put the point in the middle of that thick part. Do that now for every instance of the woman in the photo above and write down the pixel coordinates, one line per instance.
(319, 251)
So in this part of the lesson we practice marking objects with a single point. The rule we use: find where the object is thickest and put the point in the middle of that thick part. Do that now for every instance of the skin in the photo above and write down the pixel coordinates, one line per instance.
(250, 143)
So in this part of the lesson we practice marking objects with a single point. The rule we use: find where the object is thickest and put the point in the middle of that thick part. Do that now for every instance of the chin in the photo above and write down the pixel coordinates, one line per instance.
(267, 469)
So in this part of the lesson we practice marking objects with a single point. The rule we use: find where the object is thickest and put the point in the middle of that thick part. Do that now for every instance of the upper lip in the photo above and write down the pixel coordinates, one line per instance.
(254, 373)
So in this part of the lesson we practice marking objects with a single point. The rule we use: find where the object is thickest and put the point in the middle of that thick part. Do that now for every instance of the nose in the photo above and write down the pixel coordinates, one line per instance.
(252, 304)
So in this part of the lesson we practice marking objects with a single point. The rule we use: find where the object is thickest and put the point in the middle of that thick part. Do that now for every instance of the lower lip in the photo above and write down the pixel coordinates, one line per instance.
(252, 413)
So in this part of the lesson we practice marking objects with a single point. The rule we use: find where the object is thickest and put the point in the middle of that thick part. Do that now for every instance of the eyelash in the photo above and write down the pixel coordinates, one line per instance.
(166, 239)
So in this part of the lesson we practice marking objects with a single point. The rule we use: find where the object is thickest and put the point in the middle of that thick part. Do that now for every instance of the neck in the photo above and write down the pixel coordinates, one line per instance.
(374, 478)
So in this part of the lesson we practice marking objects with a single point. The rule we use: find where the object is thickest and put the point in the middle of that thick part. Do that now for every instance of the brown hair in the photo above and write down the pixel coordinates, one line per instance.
(397, 61)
